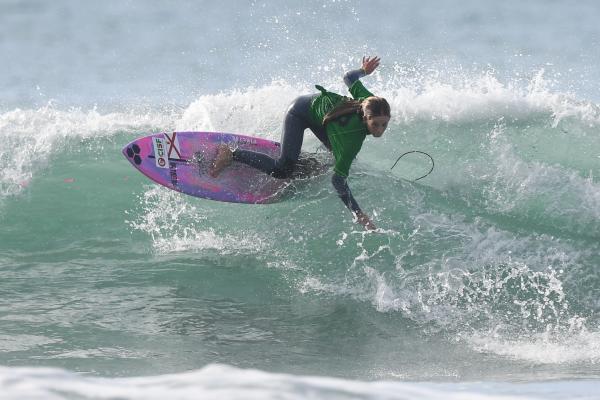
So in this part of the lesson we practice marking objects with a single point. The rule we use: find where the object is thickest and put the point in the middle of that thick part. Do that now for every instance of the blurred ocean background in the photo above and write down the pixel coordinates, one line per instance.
(482, 283)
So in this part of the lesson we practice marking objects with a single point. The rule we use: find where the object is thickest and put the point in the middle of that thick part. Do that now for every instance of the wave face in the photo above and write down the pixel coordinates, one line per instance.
(485, 270)
(495, 252)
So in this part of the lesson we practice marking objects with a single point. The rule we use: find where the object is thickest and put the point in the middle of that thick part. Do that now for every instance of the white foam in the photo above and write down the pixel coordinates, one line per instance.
(482, 96)
(252, 111)
(579, 346)
(227, 383)
(477, 277)
(177, 224)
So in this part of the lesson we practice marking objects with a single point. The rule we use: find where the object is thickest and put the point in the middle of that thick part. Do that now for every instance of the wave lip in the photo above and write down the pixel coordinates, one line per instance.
(484, 97)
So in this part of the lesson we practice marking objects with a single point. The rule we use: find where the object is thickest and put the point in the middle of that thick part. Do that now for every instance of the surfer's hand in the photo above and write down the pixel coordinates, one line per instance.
(370, 64)
(364, 220)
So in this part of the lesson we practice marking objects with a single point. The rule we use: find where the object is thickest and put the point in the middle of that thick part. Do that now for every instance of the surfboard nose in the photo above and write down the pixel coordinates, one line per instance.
(132, 153)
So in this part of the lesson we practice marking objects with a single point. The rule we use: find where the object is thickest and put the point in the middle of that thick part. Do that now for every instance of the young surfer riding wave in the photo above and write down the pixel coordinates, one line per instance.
(340, 123)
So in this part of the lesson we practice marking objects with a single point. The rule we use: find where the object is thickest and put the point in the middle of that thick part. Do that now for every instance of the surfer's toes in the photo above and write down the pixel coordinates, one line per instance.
(222, 160)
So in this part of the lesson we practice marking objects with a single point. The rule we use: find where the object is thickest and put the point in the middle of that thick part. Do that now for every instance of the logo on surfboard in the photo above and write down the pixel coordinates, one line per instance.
(166, 147)
(173, 146)
(160, 153)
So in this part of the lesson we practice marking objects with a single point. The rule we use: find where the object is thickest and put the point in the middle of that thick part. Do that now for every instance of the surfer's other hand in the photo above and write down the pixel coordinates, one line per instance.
(370, 64)
(365, 221)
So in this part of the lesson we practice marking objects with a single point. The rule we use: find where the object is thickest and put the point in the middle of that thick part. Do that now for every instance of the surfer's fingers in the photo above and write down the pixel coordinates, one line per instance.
(370, 64)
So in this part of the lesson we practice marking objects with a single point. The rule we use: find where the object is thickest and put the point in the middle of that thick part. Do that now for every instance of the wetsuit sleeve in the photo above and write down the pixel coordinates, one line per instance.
(352, 76)
(341, 186)
(355, 86)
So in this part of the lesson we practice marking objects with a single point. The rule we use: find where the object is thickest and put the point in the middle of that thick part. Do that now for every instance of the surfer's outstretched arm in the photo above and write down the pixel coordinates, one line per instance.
(343, 190)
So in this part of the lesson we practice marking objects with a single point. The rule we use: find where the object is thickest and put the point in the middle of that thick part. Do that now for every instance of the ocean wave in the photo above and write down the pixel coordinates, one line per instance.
(475, 126)
(497, 235)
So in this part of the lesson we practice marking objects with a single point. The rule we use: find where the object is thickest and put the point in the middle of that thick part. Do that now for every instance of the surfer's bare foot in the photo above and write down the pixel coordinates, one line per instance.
(222, 160)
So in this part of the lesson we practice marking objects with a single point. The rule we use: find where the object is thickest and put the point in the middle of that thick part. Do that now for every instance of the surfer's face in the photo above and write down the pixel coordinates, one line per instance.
(376, 111)
(377, 125)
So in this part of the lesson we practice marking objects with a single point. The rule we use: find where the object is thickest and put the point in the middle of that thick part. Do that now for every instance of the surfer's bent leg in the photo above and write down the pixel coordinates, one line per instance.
(297, 119)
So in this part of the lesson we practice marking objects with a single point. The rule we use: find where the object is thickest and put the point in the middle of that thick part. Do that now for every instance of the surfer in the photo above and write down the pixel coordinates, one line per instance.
(339, 122)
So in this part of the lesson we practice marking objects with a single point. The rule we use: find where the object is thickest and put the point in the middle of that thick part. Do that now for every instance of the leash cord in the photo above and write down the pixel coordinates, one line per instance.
(421, 152)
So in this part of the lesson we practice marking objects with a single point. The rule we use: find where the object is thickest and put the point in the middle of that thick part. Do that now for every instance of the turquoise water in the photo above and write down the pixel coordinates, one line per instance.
(485, 271)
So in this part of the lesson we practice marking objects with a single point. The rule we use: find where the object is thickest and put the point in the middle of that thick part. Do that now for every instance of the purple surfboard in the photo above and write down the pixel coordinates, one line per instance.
(181, 161)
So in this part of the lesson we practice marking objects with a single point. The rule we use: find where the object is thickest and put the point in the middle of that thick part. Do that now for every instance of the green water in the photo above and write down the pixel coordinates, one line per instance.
(485, 269)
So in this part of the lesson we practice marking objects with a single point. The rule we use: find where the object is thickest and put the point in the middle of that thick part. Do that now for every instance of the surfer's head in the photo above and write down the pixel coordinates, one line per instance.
(376, 114)
(374, 111)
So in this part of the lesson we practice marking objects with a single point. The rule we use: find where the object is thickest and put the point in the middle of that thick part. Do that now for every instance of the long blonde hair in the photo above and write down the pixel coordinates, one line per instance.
(372, 106)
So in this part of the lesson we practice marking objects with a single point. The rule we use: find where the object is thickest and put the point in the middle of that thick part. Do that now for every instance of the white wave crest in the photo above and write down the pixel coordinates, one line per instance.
(30, 137)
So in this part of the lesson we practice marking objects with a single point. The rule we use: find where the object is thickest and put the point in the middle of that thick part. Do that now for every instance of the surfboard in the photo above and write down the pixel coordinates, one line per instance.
(181, 161)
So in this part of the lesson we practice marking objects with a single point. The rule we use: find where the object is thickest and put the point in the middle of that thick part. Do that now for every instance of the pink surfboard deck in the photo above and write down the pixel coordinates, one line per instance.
(181, 161)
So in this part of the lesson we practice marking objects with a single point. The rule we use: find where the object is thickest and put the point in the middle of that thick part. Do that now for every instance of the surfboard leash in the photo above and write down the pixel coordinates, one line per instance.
(421, 152)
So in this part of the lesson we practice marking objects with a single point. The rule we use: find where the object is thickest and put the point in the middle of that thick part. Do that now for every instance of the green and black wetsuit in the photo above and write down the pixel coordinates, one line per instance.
(343, 136)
